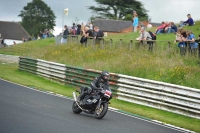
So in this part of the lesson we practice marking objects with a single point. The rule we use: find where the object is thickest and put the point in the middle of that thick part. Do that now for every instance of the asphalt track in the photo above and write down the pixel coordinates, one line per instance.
(24, 110)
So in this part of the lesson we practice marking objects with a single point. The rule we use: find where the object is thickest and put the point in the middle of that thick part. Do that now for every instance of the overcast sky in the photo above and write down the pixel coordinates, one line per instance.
(159, 10)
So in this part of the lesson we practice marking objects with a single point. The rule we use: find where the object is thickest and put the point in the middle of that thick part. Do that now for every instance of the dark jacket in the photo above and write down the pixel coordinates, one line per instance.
(66, 32)
(98, 82)
(190, 22)
(99, 34)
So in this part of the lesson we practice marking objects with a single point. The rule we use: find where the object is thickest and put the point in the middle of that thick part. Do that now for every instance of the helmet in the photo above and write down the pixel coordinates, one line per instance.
(105, 75)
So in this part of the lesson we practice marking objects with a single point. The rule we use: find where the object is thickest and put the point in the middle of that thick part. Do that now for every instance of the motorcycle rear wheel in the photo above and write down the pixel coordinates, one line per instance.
(75, 108)
(100, 113)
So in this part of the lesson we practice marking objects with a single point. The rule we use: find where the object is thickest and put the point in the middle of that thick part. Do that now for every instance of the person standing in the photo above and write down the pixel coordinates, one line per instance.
(82, 28)
(65, 33)
(135, 21)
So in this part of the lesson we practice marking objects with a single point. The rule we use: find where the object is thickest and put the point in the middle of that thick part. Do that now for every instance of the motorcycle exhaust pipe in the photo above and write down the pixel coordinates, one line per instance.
(75, 99)
(74, 95)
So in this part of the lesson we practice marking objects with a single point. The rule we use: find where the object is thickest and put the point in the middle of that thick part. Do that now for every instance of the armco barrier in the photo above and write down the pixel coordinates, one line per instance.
(169, 97)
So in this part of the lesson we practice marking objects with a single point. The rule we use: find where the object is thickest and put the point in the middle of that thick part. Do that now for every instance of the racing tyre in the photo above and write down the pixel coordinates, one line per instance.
(101, 112)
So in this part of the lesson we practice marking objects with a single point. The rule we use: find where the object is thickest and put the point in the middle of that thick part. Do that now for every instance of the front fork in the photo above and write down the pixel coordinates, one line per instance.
(99, 104)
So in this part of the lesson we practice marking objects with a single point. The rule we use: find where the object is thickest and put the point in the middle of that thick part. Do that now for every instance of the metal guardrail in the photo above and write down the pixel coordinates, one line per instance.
(164, 96)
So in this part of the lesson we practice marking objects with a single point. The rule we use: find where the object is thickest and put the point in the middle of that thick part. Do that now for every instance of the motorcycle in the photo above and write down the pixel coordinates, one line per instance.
(95, 103)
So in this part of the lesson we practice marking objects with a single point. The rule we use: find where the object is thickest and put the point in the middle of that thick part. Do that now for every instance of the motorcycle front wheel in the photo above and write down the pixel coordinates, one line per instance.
(75, 108)
(101, 112)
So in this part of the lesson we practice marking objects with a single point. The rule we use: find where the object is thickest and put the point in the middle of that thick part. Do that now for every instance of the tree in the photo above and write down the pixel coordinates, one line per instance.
(119, 9)
(36, 17)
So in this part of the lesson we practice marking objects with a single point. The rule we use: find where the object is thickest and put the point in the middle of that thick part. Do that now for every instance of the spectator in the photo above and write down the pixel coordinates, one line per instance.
(73, 29)
(23, 39)
(134, 13)
(2, 42)
(87, 32)
(38, 37)
(181, 38)
(135, 22)
(189, 22)
(198, 40)
(82, 28)
(160, 28)
(91, 26)
(73, 26)
(65, 33)
(172, 28)
(144, 35)
(97, 32)
(45, 34)
(41, 34)
(78, 29)
(166, 27)
(191, 39)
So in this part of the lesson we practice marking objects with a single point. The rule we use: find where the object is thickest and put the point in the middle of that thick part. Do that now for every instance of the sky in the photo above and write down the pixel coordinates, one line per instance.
(158, 10)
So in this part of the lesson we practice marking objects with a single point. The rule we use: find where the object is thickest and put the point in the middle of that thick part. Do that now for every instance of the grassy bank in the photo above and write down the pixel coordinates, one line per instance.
(10, 72)
(163, 64)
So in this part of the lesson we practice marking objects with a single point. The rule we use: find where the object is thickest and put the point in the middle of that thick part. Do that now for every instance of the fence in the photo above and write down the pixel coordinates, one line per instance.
(152, 45)
(173, 98)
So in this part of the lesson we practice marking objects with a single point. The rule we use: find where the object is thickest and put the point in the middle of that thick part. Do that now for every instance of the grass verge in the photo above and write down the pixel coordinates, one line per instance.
(10, 72)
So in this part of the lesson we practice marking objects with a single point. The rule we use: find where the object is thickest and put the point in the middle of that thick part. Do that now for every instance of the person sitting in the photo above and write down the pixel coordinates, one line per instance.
(173, 28)
(160, 28)
(166, 27)
(189, 22)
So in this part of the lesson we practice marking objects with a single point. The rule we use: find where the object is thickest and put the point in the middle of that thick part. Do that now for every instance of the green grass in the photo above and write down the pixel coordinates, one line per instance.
(10, 72)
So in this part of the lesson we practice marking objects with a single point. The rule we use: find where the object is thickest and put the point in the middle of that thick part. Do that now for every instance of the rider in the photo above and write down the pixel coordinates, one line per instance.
(96, 84)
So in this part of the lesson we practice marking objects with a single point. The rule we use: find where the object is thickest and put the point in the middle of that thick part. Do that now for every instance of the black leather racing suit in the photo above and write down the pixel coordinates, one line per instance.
(97, 83)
